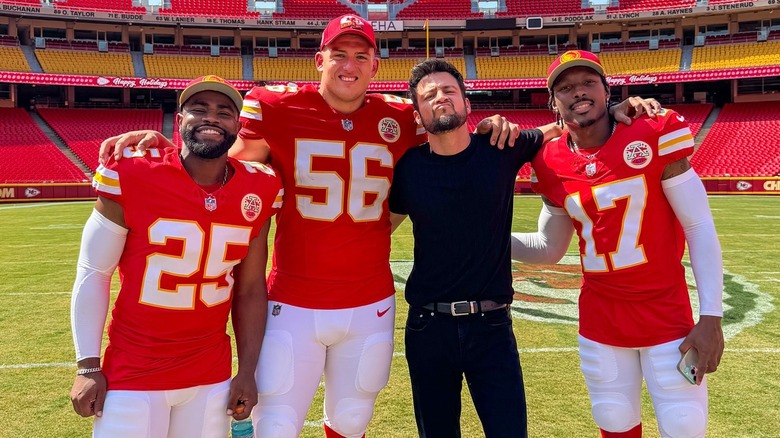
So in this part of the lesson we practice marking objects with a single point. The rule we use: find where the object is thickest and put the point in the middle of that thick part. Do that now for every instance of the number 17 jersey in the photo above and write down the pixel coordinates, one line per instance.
(634, 292)
(332, 242)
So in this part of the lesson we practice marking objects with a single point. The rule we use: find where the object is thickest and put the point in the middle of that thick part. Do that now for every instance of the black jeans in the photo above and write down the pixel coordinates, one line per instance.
(440, 349)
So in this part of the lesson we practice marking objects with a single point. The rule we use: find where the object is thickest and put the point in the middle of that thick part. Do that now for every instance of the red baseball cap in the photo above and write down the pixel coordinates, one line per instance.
(573, 58)
(211, 83)
(349, 24)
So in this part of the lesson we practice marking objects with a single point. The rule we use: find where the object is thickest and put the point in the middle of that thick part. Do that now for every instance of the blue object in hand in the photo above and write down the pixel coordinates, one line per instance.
(242, 429)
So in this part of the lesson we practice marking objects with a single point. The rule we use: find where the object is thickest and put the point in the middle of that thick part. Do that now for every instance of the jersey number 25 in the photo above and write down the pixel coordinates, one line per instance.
(187, 264)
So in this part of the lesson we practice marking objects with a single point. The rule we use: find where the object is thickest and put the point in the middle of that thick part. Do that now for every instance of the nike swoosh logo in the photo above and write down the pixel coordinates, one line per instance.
(380, 314)
(681, 118)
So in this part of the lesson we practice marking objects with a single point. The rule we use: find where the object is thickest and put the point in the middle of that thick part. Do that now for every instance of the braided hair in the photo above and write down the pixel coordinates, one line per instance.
(558, 118)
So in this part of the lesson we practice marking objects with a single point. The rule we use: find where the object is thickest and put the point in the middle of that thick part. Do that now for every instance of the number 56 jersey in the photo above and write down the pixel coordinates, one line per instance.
(168, 327)
(332, 242)
(634, 292)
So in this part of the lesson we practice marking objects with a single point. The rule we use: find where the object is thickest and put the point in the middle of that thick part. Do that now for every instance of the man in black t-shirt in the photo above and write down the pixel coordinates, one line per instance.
(458, 191)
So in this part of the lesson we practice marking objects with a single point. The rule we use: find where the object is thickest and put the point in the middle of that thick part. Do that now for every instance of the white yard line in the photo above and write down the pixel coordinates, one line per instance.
(41, 204)
(542, 350)
(34, 293)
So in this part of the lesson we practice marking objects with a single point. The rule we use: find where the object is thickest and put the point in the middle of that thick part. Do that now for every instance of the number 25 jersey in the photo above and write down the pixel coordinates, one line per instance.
(634, 292)
(168, 327)
(332, 243)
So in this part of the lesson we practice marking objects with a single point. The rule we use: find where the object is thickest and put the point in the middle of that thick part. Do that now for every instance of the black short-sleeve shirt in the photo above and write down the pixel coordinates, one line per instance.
(461, 211)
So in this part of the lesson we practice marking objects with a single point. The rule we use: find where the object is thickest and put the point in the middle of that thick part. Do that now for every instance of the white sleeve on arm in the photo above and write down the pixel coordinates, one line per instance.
(102, 244)
(549, 243)
(688, 199)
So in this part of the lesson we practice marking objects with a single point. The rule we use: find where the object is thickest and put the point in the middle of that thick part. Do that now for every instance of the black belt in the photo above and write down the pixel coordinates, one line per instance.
(462, 308)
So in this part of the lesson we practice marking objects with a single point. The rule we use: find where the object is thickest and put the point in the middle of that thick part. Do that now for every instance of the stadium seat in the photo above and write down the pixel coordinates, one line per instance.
(650, 5)
(715, 57)
(84, 129)
(208, 8)
(438, 10)
(320, 9)
(13, 59)
(28, 155)
(189, 66)
(744, 141)
(528, 8)
(82, 62)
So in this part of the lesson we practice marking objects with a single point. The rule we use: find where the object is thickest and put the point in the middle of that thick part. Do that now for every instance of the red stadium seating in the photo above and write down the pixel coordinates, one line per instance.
(743, 37)
(208, 8)
(650, 5)
(84, 129)
(438, 10)
(543, 7)
(744, 141)
(322, 9)
(23, 2)
(85, 45)
(8, 40)
(28, 155)
(101, 5)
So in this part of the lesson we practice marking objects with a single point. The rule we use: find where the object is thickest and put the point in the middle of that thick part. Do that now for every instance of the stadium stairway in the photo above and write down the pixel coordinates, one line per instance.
(686, 57)
(247, 67)
(394, 9)
(29, 55)
(59, 143)
(712, 117)
(139, 69)
(471, 67)
(168, 125)
(360, 9)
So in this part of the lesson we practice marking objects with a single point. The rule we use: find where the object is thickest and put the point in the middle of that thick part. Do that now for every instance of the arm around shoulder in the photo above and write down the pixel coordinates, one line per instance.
(246, 149)
(550, 131)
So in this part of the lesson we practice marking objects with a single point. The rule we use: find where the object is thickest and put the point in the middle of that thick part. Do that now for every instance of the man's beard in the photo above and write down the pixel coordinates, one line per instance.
(445, 123)
(582, 123)
(206, 150)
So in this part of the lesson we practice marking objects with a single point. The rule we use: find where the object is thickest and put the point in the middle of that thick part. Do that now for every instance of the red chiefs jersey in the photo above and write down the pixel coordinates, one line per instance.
(634, 292)
(168, 323)
(332, 243)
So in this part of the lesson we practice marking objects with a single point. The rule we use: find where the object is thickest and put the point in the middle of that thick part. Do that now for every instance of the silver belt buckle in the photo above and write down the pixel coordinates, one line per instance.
(457, 308)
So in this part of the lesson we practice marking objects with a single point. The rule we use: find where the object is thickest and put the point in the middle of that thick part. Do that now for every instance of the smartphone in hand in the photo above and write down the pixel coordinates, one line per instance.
(687, 365)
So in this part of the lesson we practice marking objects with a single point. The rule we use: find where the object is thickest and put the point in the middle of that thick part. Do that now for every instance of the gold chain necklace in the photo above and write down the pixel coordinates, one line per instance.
(210, 201)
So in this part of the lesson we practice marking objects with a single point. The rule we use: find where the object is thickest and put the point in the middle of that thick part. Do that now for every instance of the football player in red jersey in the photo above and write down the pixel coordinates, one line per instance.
(634, 200)
(188, 231)
(331, 293)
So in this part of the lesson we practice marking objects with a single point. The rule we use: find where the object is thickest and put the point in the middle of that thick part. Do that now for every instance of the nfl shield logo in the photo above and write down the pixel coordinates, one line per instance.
(276, 310)
(211, 203)
(590, 169)
(347, 124)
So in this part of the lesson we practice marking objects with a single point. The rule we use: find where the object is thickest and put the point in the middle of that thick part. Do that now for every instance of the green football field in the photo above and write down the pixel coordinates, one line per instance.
(39, 245)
